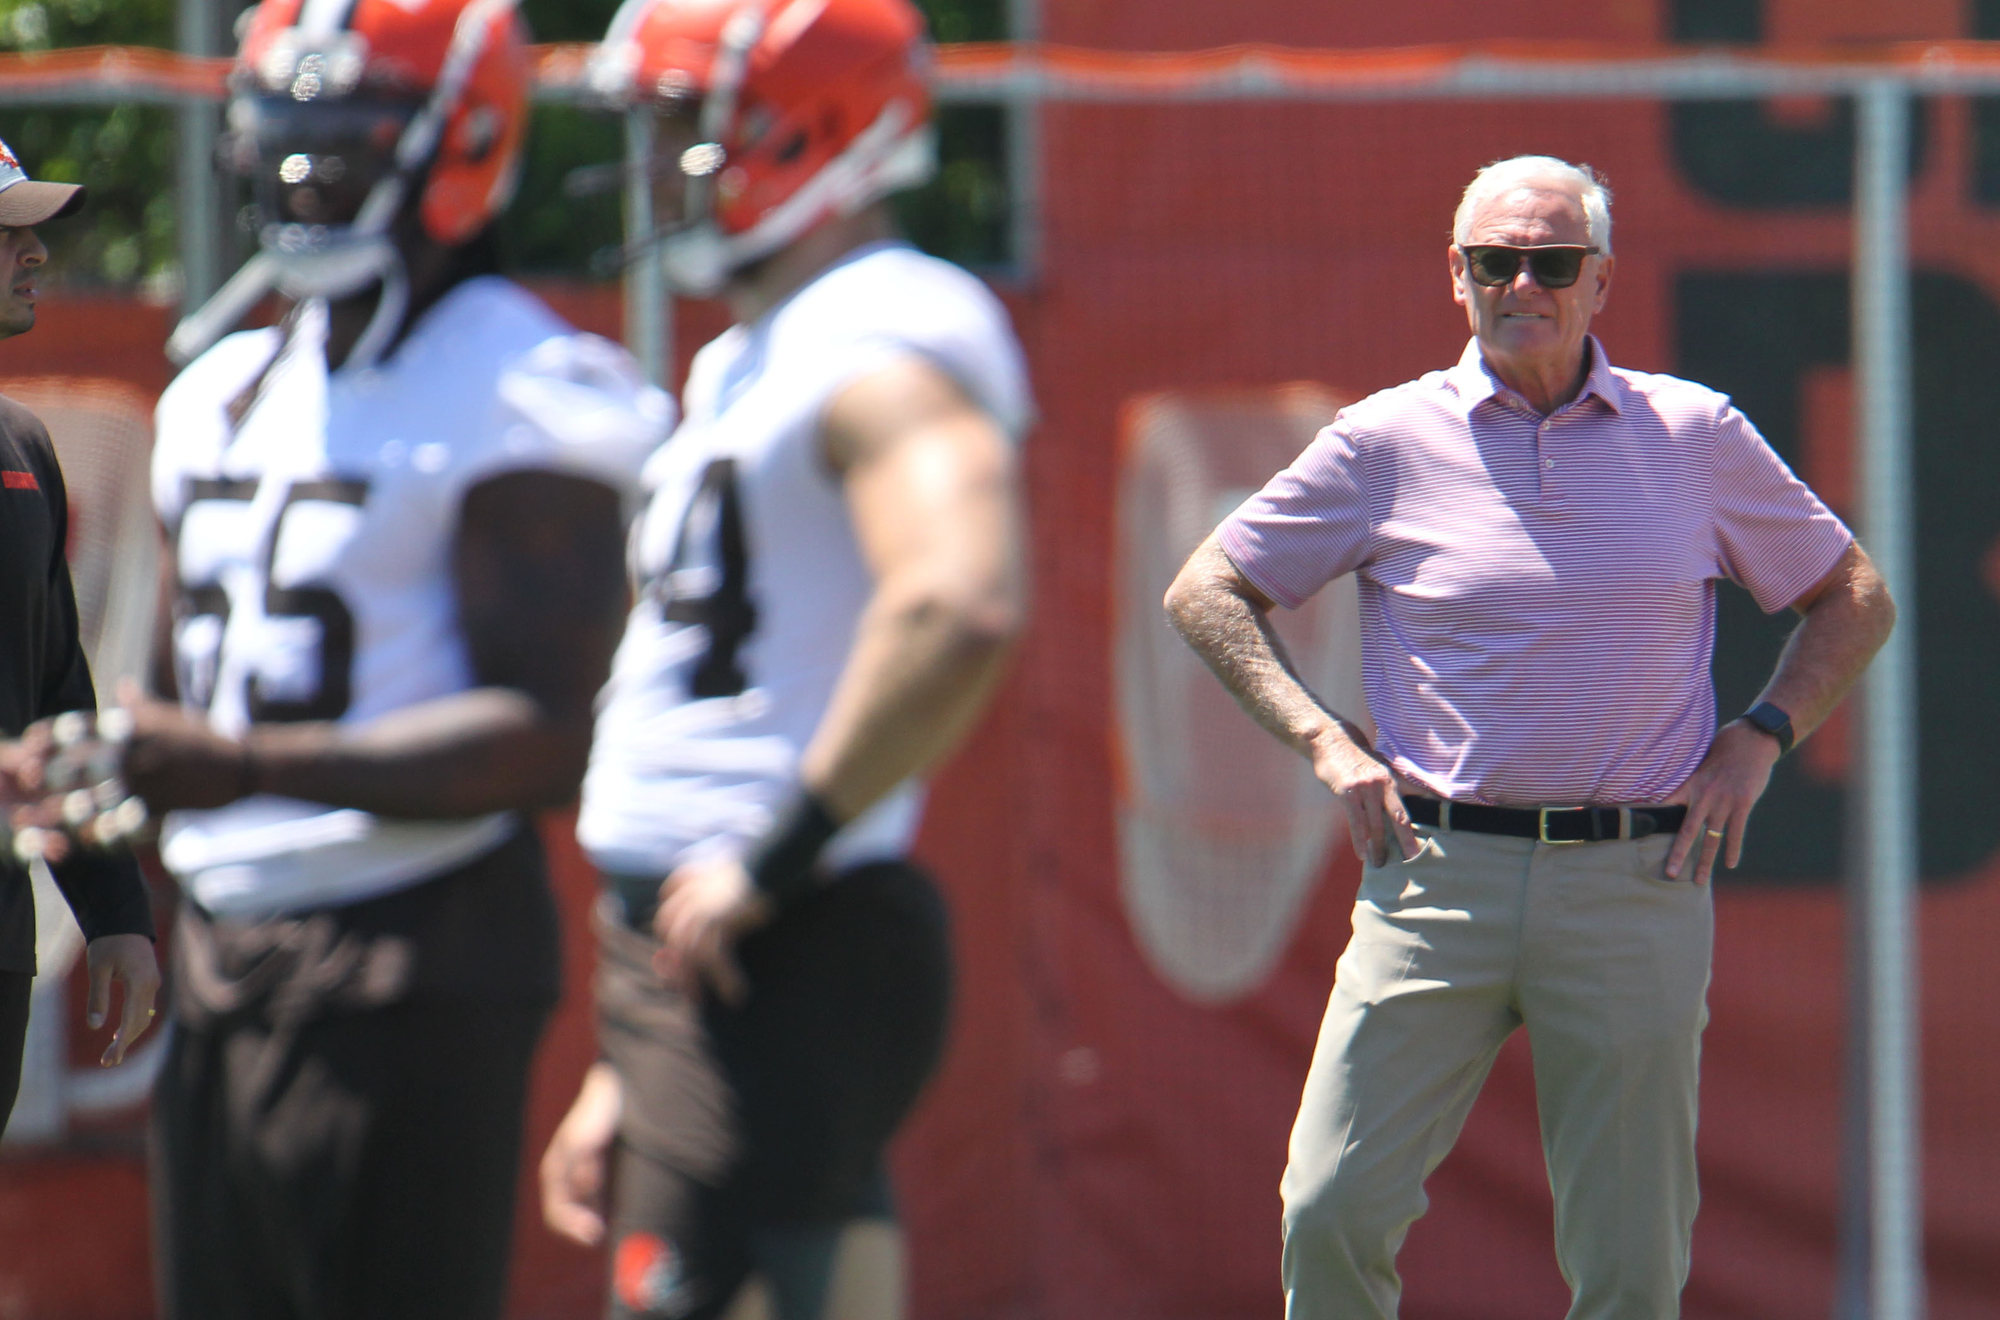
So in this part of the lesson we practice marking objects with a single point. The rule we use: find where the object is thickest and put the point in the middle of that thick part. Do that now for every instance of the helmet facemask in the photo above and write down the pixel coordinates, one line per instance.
(713, 135)
(341, 167)
(698, 256)
(329, 196)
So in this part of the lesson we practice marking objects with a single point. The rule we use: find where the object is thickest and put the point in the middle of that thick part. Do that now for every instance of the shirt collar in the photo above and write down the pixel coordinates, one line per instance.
(1476, 383)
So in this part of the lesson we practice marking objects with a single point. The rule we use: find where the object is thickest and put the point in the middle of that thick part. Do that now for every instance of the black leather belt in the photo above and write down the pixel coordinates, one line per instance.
(1548, 824)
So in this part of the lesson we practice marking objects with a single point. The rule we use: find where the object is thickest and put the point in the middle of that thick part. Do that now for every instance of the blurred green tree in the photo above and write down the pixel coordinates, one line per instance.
(547, 232)
(966, 20)
(962, 214)
(126, 154)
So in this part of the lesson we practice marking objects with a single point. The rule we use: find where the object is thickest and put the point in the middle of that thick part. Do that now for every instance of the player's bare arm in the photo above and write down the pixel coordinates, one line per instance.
(537, 555)
(1226, 619)
(1845, 618)
(933, 487)
(932, 484)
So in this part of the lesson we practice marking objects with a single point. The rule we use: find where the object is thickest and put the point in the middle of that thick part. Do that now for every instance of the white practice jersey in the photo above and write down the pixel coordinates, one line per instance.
(313, 548)
(750, 580)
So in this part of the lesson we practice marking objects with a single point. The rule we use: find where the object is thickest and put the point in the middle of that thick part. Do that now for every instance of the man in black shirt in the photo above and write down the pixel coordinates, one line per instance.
(43, 672)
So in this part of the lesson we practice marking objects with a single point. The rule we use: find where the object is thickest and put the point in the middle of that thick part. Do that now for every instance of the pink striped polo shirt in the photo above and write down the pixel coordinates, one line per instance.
(1538, 594)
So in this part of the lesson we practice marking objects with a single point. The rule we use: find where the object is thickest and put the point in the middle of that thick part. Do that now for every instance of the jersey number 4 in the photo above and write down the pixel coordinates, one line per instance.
(693, 591)
(307, 601)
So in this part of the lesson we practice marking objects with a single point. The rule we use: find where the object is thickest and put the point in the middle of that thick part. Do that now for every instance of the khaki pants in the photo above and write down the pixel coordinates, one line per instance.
(1606, 962)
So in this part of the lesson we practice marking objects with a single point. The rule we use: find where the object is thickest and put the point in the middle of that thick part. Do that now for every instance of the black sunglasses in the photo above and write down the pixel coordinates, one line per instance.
(1556, 265)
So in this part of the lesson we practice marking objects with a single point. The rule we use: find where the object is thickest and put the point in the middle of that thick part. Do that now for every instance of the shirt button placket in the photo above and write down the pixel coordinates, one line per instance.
(1548, 464)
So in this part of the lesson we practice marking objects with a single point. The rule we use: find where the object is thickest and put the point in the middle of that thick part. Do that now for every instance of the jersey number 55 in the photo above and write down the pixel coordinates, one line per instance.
(229, 563)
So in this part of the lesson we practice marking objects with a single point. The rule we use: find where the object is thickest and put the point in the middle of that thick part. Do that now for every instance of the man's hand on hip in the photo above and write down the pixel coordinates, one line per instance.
(1719, 796)
(705, 907)
(1367, 789)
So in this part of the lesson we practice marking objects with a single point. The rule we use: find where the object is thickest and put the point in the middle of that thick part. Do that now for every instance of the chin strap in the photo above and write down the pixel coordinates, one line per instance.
(378, 263)
(229, 304)
(388, 318)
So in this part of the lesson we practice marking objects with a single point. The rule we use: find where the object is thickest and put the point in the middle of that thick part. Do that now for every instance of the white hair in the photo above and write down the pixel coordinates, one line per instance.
(1517, 170)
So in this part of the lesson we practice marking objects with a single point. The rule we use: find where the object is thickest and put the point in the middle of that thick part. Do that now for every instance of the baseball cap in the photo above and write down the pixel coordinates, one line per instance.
(24, 201)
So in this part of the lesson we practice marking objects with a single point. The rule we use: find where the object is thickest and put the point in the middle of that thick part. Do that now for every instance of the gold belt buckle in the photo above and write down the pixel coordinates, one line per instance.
(1543, 827)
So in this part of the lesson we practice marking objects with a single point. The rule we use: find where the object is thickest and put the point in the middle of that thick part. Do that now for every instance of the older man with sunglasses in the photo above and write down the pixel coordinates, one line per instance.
(1537, 536)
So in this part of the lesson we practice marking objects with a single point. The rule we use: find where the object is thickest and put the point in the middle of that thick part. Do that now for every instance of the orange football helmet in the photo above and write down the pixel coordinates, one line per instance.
(342, 111)
(464, 61)
(807, 109)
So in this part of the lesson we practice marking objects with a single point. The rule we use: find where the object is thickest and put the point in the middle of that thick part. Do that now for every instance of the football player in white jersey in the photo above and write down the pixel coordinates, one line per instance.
(829, 576)
(396, 547)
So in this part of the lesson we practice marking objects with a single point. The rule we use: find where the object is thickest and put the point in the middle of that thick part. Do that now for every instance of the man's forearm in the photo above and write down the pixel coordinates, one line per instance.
(918, 675)
(1208, 606)
(537, 566)
(933, 487)
(1843, 628)
(489, 749)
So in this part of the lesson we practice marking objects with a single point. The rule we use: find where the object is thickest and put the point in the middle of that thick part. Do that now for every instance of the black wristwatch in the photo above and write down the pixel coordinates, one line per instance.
(1773, 721)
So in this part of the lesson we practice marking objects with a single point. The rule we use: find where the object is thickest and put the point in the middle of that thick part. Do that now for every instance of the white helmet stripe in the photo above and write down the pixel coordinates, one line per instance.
(740, 36)
(324, 18)
(614, 65)
(468, 41)
(625, 22)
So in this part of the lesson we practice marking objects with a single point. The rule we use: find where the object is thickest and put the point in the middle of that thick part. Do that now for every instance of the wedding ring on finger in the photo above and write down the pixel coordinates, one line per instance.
(1713, 834)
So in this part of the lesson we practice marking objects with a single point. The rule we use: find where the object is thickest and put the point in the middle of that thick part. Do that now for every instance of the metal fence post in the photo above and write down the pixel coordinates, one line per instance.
(198, 200)
(648, 317)
(1024, 148)
(1882, 334)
